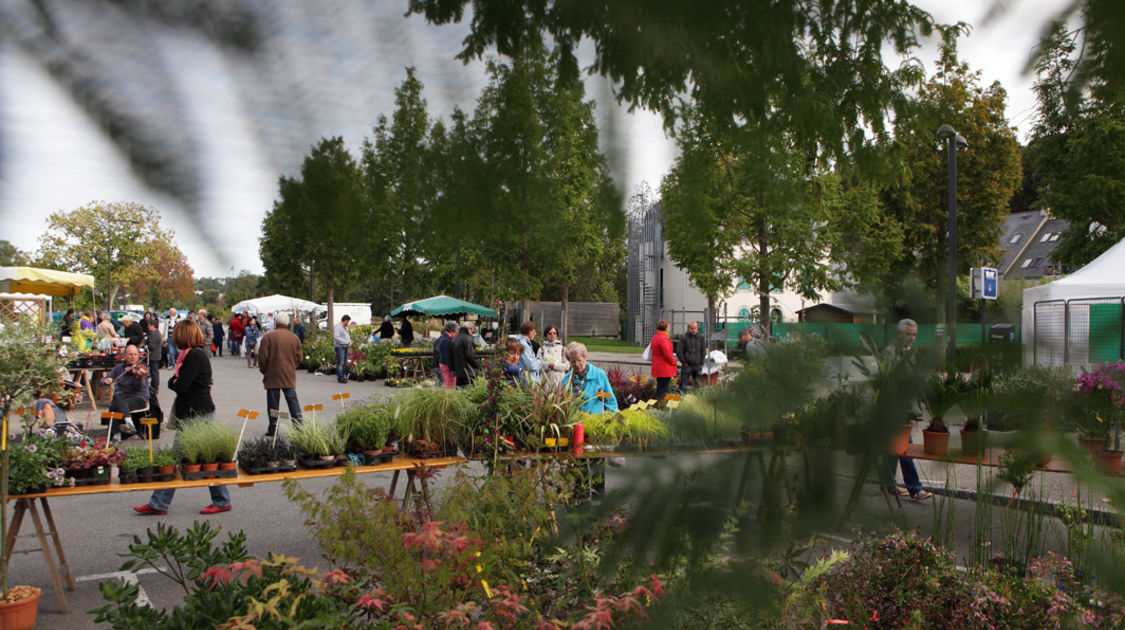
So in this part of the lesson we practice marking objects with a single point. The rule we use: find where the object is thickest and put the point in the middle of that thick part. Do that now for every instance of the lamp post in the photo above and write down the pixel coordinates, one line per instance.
(953, 141)
(109, 262)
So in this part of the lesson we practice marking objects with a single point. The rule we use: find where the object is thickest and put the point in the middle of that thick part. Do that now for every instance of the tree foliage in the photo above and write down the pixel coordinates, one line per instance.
(320, 219)
(1079, 162)
(12, 256)
(117, 238)
(169, 284)
(987, 173)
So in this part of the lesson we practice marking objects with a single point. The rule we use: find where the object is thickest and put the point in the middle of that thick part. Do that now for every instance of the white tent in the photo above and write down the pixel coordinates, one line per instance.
(1076, 320)
(275, 304)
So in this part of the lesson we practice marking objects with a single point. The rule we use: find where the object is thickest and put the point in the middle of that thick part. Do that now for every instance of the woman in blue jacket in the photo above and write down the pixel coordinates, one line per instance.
(587, 380)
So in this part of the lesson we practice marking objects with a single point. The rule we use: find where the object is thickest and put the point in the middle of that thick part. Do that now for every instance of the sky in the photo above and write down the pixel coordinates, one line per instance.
(55, 158)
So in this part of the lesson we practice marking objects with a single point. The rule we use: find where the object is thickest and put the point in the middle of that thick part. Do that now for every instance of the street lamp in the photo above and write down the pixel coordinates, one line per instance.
(109, 262)
(953, 141)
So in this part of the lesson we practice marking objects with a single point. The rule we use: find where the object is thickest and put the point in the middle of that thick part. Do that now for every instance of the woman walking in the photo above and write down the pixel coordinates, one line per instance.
(191, 381)
(250, 338)
(663, 359)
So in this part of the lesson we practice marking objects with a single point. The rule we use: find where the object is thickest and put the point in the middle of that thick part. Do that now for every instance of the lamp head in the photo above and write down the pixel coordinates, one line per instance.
(945, 132)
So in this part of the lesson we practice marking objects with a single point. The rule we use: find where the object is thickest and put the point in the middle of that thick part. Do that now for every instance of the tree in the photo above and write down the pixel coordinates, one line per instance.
(1079, 164)
(244, 286)
(111, 241)
(987, 173)
(814, 67)
(321, 218)
(12, 256)
(738, 205)
(170, 282)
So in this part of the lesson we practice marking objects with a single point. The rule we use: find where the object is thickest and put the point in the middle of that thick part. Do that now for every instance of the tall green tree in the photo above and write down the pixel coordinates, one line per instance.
(737, 204)
(987, 173)
(1079, 164)
(321, 218)
(114, 242)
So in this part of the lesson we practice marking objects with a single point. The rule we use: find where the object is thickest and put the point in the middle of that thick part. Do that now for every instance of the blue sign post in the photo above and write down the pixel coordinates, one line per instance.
(989, 283)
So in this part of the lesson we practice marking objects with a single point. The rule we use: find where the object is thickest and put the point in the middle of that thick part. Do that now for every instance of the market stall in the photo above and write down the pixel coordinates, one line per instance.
(28, 290)
(275, 304)
(442, 306)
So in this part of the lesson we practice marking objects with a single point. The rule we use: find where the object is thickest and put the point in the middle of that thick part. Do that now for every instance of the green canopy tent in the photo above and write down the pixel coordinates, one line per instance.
(441, 305)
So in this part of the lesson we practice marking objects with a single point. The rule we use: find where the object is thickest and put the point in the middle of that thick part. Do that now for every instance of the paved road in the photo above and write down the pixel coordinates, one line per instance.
(95, 528)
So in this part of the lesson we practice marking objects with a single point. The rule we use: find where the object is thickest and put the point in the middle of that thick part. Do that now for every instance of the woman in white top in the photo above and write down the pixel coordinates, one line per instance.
(552, 356)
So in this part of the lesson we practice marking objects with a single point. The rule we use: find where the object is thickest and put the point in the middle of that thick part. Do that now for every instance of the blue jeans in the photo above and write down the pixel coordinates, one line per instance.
(273, 400)
(341, 363)
(909, 473)
(162, 499)
(173, 352)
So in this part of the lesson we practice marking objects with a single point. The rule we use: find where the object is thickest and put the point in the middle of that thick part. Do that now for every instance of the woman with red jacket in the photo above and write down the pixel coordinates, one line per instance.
(663, 359)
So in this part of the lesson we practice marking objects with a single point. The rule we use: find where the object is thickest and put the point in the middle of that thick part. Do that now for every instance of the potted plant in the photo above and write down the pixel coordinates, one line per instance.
(165, 460)
(89, 463)
(135, 466)
(317, 441)
(435, 416)
(1101, 394)
(285, 454)
(944, 390)
(189, 439)
(368, 429)
(35, 464)
(28, 368)
(974, 404)
(254, 455)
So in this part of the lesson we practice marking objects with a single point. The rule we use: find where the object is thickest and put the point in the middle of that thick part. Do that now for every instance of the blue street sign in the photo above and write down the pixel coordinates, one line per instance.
(990, 284)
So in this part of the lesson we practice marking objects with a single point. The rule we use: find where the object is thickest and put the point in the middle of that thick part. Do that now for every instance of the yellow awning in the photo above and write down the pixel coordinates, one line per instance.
(47, 281)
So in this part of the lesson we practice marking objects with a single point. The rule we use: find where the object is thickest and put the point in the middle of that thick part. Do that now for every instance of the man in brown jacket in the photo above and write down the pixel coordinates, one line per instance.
(279, 353)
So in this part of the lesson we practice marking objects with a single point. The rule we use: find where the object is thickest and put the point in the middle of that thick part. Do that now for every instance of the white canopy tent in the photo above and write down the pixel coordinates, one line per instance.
(275, 304)
(1076, 320)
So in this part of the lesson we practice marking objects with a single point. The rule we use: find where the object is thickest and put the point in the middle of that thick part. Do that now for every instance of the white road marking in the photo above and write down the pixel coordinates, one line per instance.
(130, 577)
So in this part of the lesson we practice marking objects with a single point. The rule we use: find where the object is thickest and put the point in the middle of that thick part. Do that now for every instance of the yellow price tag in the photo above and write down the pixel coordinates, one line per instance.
(252, 415)
(337, 396)
(242, 413)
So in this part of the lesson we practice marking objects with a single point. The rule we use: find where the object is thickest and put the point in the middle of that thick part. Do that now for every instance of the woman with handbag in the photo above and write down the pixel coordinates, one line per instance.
(663, 359)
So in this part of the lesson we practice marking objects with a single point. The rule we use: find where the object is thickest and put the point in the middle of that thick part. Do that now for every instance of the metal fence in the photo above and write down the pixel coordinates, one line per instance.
(1078, 332)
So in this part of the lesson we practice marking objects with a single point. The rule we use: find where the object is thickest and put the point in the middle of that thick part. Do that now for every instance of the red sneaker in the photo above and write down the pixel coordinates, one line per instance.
(148, 509)
(214, 509)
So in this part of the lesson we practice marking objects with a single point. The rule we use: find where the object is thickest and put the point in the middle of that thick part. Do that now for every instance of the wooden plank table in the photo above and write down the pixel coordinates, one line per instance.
(52, 546)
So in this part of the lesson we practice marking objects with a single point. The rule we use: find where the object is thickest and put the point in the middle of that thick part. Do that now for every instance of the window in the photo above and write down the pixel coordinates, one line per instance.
(1015, 239)
(1026, 263)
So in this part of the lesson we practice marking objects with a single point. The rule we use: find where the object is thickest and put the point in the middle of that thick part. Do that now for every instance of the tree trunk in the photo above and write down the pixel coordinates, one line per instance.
(331, 310)
(764, 277)
(565, 305)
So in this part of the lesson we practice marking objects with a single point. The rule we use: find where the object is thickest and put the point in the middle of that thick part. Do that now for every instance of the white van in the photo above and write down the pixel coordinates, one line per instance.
(360, 313)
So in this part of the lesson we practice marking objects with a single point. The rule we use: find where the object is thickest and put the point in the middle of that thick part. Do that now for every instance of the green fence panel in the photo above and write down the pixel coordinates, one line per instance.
(1105, 333)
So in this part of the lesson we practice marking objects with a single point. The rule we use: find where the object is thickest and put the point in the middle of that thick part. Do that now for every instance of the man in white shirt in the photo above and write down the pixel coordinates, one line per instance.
(342, 341)
(166, 332)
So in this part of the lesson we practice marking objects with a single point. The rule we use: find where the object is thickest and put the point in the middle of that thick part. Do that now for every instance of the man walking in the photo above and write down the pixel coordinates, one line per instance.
(237, 326)
(464, 350)
(691, 351)
(279, 353)
(342, 341)
(905, 335)
(169, 326)
(206, 328)
(443, 356)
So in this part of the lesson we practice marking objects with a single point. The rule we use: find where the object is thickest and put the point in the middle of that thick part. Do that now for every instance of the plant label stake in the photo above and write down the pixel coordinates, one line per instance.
(341, 398)
(245, 414)
(148, 422)
(603, 397)
(281, 415)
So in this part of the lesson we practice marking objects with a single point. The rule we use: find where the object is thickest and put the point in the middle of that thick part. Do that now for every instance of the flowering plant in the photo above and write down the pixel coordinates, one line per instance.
(92, 455)
(34, 462)
(1101, 394)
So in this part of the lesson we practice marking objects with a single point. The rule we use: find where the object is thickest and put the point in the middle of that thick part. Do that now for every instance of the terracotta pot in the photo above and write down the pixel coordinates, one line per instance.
(228, 465)
(1091, 445)
(192, 467)
(165, 470)
(1109, 461)
(973, 442)
(901, 440)
(935, 442)
(210, 466)
(20, 615)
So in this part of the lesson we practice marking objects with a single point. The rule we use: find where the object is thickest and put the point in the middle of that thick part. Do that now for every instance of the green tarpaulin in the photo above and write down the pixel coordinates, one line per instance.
(442, 305)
